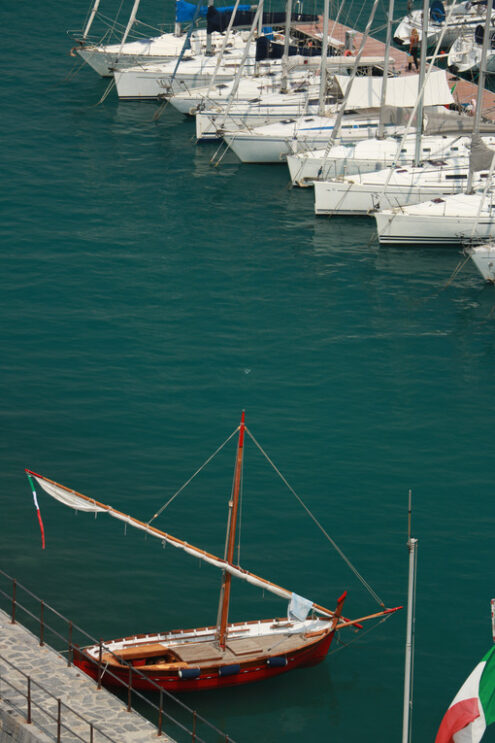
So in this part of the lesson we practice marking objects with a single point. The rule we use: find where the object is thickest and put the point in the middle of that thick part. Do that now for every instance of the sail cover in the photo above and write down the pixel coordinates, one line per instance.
(481, 156)
(451, 122)
(67, 497)
(185, 11)
(401, 92)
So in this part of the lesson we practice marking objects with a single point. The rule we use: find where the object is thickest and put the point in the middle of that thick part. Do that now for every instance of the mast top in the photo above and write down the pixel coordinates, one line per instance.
(242, 428)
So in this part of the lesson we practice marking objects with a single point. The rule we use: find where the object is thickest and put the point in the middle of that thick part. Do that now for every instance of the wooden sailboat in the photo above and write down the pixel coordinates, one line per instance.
(227, 654)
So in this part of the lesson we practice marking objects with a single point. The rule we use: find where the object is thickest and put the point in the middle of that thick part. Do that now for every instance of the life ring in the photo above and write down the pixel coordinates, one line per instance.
(347, 53)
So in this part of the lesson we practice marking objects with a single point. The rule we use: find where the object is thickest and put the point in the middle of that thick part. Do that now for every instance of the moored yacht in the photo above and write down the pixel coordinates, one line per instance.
(106, 58)
(386, 189)
(483, 257)
(459, 19)
(370, 155)
(453, 220)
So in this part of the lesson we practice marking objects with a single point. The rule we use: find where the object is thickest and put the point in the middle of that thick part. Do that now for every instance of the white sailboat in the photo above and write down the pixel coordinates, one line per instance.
(273, 105)
(318, 96)
(152, 82)
(453, 220)
(451, 20)
(381, 151)
(465, 52)
(261, 110)
(483, 257)
(457, 219)
(195, 100)
(360, 195)
(282, 100)
(371, 155)
(272, 143)
(106, 57)
(393, 187)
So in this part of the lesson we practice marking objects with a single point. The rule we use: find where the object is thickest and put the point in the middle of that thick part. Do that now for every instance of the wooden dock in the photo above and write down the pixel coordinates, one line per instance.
(464, 91)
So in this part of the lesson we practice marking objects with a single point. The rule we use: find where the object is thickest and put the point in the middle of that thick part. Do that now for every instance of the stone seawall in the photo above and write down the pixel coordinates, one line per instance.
(58, 693)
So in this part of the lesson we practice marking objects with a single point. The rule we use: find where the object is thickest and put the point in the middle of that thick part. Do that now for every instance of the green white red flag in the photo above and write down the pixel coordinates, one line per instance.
(473, 707)
(36, 505)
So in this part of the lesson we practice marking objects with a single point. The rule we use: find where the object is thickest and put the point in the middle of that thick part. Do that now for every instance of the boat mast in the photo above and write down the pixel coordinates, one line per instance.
(338, 121)
(223, 608)
(411, 606)
(481, 86)
(130, 23)
(90, 20)
(285, 56)
(383, 98)
(238, 77)
(422, 73)
(323, 65)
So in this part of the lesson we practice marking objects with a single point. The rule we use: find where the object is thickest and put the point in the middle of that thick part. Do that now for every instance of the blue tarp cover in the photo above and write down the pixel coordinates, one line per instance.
(185, 11)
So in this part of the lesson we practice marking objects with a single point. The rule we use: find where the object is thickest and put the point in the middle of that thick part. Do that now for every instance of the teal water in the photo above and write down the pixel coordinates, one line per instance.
(147, 298)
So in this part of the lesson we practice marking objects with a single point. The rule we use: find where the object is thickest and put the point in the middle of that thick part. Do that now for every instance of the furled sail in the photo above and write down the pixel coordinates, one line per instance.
(481, 156)
(451, 122)
(80, 502)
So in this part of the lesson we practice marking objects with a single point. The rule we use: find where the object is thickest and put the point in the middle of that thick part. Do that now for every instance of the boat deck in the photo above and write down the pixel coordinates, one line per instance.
(205, 652)
(464, 91)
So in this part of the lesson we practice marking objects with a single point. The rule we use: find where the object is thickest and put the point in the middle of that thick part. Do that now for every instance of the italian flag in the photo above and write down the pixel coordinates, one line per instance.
(473, 707)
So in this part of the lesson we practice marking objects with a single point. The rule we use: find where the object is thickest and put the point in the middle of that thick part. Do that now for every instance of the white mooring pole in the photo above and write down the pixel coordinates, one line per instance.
(411, 615)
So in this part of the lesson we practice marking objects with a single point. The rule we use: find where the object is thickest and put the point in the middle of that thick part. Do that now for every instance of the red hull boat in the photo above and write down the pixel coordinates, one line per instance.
(246, 658)
(209, 657)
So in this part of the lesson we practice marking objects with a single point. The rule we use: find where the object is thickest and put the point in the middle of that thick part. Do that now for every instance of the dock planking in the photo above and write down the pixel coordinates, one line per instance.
(464, 91)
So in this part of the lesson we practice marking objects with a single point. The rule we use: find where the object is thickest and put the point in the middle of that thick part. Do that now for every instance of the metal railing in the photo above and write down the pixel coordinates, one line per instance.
(51, 707)
(185, 720)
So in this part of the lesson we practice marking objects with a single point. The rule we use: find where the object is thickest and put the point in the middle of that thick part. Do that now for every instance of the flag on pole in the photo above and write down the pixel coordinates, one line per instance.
(473, 707)
(38, 512)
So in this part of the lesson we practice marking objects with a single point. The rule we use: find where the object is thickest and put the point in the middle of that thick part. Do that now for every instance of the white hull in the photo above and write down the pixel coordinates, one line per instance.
(211, 125)
(262, 146)
(466, 17)
(405, 186)
(155, 82)
(450, 221)
(465, 56)
(371, 155)
(105, 59)
(483, 257)
(189, 102)
(139, 85)
(105, 64)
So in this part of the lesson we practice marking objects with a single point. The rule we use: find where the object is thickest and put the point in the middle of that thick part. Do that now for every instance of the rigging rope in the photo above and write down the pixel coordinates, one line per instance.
(116, 17)
(358, 575)
(343, 645)
(192, 477)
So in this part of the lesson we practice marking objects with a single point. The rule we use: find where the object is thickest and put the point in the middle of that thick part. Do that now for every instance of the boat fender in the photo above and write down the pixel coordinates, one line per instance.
(229, 670)
(347, 53)
(277, 662)
(189, 673)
